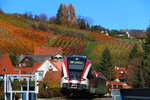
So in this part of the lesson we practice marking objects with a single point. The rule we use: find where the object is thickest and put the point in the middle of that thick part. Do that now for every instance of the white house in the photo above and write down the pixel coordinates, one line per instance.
(48, 65)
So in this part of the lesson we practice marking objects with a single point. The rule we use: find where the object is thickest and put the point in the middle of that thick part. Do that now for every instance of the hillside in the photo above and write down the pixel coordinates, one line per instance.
(20, 36)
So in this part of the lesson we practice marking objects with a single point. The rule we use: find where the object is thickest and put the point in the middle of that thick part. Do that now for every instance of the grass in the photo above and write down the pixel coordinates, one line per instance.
(90, 46)
(129, 40)
(50, 42)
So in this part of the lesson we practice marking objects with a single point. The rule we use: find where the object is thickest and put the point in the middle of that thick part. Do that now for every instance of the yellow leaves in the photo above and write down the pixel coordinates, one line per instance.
(119, 51)
(20, 41)
(48, 85)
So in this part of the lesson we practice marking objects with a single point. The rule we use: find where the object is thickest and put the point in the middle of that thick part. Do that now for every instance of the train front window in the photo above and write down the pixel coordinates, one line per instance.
(75, 67)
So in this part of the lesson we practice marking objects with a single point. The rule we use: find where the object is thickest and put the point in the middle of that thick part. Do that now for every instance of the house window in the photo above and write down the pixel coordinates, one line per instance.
(4, 69)
(40, 74)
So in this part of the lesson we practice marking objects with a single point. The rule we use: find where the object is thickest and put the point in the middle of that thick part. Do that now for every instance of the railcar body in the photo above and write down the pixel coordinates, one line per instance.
(79, 77)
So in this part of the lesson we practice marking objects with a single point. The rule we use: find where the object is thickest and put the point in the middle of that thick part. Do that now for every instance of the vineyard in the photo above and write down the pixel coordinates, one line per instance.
(70, 46)
(20, 41)
(17, 36)
(119, 52)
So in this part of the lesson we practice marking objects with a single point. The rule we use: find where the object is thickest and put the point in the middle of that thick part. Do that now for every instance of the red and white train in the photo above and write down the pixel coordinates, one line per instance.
(78, 77)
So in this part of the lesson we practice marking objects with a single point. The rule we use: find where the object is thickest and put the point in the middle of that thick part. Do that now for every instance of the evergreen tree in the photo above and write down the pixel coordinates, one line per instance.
(146, 58)
(106, 66)
(134, 51)
(142, 76)
(59, 15)
(139, 75)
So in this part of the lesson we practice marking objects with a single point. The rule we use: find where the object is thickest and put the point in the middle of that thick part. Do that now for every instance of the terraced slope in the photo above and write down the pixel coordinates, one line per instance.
(21, 41)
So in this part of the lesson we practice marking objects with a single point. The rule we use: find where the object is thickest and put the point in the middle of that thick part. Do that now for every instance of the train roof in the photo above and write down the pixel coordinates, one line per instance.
(98, 74)
(76, 56)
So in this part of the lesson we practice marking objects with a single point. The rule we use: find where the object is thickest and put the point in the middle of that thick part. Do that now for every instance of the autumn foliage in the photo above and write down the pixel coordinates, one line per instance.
(20, 41)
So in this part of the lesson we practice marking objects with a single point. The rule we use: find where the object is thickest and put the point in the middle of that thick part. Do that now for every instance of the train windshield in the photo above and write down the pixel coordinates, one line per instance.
(75, 67)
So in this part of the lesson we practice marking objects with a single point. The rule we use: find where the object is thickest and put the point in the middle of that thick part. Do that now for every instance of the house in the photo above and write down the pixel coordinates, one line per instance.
(48, 65)
(58, 57)
(42, 68)
(47, 50)
(6, 66)
(28, 60)
(141, 37)
(135, 33)
(120, 74)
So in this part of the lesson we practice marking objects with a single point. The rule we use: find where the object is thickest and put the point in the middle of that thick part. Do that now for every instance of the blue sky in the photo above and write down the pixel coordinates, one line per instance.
(111, 14)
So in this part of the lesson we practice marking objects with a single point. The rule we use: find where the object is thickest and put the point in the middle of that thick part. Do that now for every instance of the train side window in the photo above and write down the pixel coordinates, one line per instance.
(62, 73)
(90, 74)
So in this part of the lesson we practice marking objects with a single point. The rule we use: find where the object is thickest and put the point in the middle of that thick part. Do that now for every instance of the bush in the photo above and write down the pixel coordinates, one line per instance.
(43, 27)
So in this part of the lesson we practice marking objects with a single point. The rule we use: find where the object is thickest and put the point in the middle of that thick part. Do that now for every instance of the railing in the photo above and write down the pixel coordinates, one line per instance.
(26, 89)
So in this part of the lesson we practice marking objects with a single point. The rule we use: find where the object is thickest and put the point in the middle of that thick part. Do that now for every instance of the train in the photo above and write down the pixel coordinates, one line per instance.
(78, 77)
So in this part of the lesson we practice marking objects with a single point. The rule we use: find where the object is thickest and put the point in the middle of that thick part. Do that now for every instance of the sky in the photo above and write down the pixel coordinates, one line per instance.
(111, 14)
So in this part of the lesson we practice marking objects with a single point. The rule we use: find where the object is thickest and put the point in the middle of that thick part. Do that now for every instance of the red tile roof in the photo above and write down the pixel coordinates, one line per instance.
(97, 73)
(6, 66)
(28, 70)
(53, 76)
(118, 71)
(57, 64)
(47, 50)
(114, 83)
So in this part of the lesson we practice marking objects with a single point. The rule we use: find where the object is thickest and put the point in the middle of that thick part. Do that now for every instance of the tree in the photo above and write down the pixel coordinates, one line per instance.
(82, 23)
(142, 76)
(146, 57)
(105, 66)
(43, 17)
(59, 16)
(72, 15)
(1, 11)
(134, 51)
(52, 20)
(97, 28)
(113, 33)
(28, 15)
(66, 15)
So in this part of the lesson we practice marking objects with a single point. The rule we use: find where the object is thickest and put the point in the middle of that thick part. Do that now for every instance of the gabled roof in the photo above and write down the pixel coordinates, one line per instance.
(47, 50)
(36, 58)
(56, 64)
(119, 70)
(6, 66)
(53, 76)
(29, 70)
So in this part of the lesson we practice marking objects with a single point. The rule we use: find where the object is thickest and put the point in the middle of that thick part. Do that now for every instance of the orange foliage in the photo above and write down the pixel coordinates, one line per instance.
(71, 46)
(21, 41)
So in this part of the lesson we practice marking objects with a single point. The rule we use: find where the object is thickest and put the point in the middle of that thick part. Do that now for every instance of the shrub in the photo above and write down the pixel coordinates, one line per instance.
(43, 27)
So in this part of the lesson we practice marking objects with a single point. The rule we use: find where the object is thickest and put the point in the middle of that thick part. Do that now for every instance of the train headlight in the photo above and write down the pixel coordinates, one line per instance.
(82, 79)
(67, 78)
